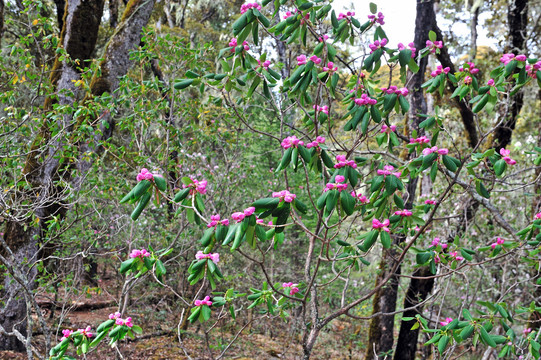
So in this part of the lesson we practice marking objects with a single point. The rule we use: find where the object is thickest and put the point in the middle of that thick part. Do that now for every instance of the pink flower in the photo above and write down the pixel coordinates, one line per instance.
(315, 59)
(388, 129)
(377, 45)
(342, 162)
(436, 241)
(86, 332)
(470, 68)
(197, 187)
(526, 331)
(215, 221)
(215, 258)
(139, 254)
(498, 242)
(233, 43)
(67, 333)
(411, 46)
(365, 100)
(288, 14)
(245, 45)
(440, 69)
(430, 202)
(520, 58)
(447, 321)
(291, 141)
(293, 289)
(145, 175)
(490, 82)
(537, 216)
(388, 170)
(378, 19)
(433, 46)
(505, 155)
(507, 58)
(376, 224)
(339, 179)
(114, 316)
(238, 216)
(346, 15)
(265, 65)
(363, 199)
(467, 80)
(323, 38)
(420, 140)
(249, 211)
(205, 301)
(330, 67)
(324, 109)
(284, 195)
(532, 70)
(246, 7)
(403, 213)
(455, 255)
(301, 60)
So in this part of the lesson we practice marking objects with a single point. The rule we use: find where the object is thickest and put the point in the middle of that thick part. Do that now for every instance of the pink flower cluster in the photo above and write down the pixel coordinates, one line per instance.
(378, 19)
(302, 59)
(403, 213)
(490, 82)
(388, 129)
(360, 197)
(388, 170)
(434, 45)
(233, 44)
(119, 321)
(262, 222)
(86, 332)
(323, 38)
(434, 149)
(436, 242)
(284, 195)
(533, 69)
(471, 69)
(338, 185)
(293, 289)
(411, 46)
(324, 109)
(440, 69)
(197, 187)
(537, 216)
(377, 44)
(342, 162)
(205, 301)
(505, 155)
(395, 90)
(346, 15)
(376, 224)
(248, 6)
(330, 67)
(467, 80)
(420, 140)
(215, 221)
(315, 143)
(139, 253)
(447, 321)
(430, 202)
(365, 100)
(289, 13)
(265, 65)
(499, 241)
(507, 58)
(291, 141)
(239, 216)
(215, 257)
(145, 175)
(67, 333)
(455, 256)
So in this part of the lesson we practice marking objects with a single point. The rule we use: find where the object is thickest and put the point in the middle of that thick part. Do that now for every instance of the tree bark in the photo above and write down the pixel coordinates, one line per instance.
(475, 9)
(517, 18)
(1, 20)
(41, 170)
(113, 13)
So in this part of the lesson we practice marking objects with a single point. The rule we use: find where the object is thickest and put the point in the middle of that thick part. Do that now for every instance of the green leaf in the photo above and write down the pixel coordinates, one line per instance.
(385, 239)
(332, 199)
(486, 337)
(432, 36)
(181, 195)
(442, 343)
(480, 104)
(481, 189)
(449, 163)
(499, 167)
(141, 206)
(266, 203)
(160, 182)
(348, 202)
(300, 206)
(160, 268)
(373, 8)
(183, 84)
(404, 57)
(466, 332)
(369, 240)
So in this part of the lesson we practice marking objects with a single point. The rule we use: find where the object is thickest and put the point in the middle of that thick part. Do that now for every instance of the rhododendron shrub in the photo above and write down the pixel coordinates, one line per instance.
(348, 207)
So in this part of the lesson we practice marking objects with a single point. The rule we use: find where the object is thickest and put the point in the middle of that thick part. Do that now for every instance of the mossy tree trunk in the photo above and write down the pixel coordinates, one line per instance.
(43, 166)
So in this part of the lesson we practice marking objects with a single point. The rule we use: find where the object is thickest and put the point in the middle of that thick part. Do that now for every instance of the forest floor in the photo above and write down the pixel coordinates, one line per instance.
(262, 339)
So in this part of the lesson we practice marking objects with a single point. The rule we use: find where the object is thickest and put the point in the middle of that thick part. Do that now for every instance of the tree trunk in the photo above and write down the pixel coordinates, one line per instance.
(517, 18)
(475, 9)
(1, 20)
(113, 13)
(78, 38)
